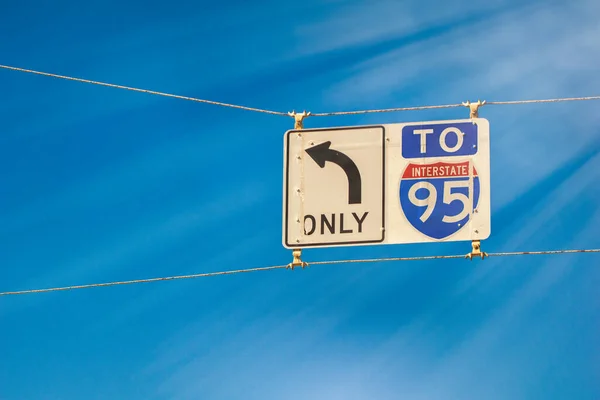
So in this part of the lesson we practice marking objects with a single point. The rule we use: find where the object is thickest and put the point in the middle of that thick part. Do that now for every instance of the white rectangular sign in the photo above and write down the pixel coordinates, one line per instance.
(387, 184)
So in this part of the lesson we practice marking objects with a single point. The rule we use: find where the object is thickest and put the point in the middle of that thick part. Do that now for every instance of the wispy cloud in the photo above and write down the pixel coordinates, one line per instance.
(438, 353)
(521, 228)
(355, 23)
(538, 49)
(125, 250)
(488, 329)
(520, 51)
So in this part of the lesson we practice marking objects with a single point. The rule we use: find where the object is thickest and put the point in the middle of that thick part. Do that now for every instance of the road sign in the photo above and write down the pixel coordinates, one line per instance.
(334, 187)
(387, 184)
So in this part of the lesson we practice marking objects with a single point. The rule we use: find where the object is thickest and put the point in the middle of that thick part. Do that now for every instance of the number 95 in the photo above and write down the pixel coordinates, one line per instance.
(430, 200)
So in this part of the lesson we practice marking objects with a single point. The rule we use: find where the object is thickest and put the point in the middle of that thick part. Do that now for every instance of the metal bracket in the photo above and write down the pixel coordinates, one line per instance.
(299, 118)
(476, 251)
(297, 261)
(474, 107)
(297, 253)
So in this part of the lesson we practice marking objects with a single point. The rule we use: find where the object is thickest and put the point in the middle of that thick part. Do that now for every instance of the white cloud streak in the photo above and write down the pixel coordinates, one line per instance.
(531, 51)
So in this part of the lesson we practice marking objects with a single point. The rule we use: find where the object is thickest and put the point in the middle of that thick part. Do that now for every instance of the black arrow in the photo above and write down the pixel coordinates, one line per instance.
(322, 153)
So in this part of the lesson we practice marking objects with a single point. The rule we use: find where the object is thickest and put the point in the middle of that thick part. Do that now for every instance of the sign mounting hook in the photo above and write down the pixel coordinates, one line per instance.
(297, 260)
(476, 252)
(474, 107)
(299, 118)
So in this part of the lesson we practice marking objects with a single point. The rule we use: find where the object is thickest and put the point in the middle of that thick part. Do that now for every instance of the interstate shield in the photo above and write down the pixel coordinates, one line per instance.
(439, 198)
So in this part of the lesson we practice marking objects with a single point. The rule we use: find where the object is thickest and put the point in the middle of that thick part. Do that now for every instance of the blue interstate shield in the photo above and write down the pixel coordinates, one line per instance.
(435, 198)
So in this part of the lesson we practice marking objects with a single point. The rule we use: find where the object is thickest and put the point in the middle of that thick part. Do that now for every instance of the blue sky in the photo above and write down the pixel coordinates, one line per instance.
(99, 184)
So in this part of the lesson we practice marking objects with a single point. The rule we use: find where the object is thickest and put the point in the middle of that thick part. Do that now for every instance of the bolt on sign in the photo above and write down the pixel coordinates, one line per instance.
(387, 184)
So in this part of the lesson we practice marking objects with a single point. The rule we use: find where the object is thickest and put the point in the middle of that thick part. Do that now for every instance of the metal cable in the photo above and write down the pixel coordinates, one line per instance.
(373, 260)
(333, 262)
(322, 114)
(218, 103)
(546, 252)
(544, 101)
(384, 110)
(134, 281)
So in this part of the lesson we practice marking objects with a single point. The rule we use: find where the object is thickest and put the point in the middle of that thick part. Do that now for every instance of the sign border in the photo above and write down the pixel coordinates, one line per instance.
(287, 184)
(432, 239)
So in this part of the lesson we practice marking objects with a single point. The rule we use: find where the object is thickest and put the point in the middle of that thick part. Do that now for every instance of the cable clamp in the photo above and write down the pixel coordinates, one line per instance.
(476, 244)
(474, 107)
(297, 260)
(299, 118)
